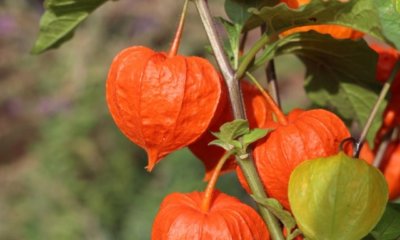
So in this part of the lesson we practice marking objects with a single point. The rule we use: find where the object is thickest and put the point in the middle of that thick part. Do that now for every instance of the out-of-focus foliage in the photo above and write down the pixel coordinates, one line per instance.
(59, 21)
(66, 172)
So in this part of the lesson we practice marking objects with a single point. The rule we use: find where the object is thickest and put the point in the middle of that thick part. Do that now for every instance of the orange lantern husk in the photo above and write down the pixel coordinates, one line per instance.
(181, 217)
(306, 135)
(162, 103)
(387, 58)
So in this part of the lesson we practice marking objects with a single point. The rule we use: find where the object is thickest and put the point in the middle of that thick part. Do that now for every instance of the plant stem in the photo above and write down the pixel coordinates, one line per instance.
(178, 35)
(240, 50)
(243, 43)
(372, 115)
(392, 135)
(270, 73)
(216, 45)
(275, 108)
(382, 150)
(231, 79)
(208, 193)
(249, 57)
(273, 82)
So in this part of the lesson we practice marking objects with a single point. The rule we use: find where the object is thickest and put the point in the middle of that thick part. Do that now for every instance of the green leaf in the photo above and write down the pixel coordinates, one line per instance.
(276, 208)
(233, 31)
(222, 144)
(237, 144)
(237, 10)
(231, 130)
(388, 227)
(389, 16)
(340, 74)
(343, 76)
(59, 21)
(254, 135)
(375, 17)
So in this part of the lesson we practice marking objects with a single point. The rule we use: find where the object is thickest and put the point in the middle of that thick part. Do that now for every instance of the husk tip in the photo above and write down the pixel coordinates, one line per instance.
(152, 159)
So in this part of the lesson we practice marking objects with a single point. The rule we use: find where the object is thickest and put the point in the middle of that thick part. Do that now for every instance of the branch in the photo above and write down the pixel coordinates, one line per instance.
(231, 79)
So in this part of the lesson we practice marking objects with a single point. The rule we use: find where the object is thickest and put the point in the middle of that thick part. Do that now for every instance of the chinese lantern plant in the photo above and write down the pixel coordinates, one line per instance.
(165, 101)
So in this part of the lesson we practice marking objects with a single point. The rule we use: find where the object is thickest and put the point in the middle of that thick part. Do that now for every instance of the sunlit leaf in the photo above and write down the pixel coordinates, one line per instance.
(234, 129)
(376, 17)
(253, 136)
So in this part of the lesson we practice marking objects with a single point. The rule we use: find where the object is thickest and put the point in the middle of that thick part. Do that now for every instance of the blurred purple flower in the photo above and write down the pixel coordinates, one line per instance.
(8, 25)
(12, 107)
(51, 106)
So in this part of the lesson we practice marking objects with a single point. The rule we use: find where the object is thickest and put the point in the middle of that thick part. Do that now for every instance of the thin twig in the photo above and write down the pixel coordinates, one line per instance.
(272, 104)
(372, 115)
(208, 193)
(243, 42)
(391, 136)
(382, 150)
(178, 35)
(272, 81)
(250, 55)
(270, 73)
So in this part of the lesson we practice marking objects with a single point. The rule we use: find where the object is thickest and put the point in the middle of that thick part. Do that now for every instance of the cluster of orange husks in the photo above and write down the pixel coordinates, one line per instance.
(164, 102)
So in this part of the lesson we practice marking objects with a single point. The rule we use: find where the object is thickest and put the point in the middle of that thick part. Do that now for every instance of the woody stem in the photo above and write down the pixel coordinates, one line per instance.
(208, 193)
(372, 115)
(275, 108)
(231, 79)
(178, 35)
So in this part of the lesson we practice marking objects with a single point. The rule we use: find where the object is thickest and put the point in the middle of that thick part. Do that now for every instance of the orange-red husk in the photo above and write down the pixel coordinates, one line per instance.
(180, 218)
(308, 134)
(387, 58)
(161, 103)
(390, 167)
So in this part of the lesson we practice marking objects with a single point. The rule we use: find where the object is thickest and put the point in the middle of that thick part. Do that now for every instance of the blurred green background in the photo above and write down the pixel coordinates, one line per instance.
(66, 172)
